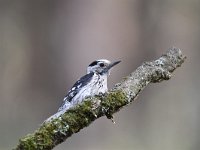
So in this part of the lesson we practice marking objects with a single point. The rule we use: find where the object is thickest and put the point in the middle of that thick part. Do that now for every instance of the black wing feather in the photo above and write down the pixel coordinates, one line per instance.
(78, 85)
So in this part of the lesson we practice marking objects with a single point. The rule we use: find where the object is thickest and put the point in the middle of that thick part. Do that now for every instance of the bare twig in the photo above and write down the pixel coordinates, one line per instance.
(58, 130)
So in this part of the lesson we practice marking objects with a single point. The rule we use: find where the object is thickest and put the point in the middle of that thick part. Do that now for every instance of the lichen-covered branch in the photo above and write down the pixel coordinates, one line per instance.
(58, 130)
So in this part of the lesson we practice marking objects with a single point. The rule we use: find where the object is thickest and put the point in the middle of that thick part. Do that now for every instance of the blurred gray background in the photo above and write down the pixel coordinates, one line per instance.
(46, 45)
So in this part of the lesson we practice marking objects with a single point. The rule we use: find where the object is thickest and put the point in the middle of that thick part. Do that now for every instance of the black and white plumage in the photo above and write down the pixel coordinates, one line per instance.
(93, 83)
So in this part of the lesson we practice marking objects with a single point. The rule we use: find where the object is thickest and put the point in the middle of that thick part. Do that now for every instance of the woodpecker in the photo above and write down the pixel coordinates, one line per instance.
(93, 83)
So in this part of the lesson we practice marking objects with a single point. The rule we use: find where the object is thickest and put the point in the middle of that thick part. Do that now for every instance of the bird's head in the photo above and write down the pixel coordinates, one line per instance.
(101, 66)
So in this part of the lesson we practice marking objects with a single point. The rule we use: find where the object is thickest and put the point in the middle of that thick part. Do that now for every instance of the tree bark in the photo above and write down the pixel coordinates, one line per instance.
(52, 133)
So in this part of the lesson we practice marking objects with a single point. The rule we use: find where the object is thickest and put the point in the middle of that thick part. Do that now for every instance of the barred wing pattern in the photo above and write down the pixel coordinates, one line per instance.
(67, 101)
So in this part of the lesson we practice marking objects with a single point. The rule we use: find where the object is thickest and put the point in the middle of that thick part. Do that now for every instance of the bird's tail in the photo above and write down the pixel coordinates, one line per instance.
(56, 115)
(61, 111)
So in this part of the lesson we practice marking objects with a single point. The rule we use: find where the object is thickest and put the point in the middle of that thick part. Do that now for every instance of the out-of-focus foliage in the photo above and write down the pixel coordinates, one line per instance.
(45, 46)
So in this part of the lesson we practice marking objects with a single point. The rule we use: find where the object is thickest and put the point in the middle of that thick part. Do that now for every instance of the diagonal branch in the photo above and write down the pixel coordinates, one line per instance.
(58, 130)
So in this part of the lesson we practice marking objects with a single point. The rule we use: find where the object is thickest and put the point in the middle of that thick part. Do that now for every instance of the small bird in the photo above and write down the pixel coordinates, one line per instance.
(93, 83)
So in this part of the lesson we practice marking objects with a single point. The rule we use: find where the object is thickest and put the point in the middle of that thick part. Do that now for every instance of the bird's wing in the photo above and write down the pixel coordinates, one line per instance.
(76, 88)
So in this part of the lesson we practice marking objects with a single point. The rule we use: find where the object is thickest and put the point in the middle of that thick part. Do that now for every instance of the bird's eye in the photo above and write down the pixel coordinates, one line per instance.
(101, 64)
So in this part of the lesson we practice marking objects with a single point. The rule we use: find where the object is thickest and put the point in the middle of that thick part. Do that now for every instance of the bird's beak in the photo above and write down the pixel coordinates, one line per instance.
(111, 65)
